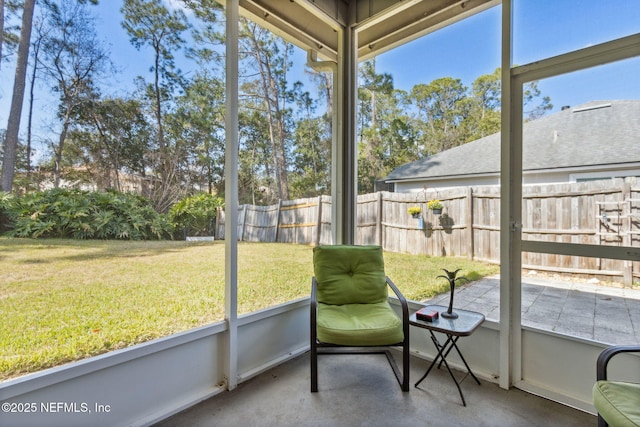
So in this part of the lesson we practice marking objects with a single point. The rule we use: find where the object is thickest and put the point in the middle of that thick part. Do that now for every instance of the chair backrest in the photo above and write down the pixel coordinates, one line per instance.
(349, 274)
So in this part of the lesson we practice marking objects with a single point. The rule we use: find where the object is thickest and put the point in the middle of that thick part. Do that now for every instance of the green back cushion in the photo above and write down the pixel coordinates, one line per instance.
(349, 274)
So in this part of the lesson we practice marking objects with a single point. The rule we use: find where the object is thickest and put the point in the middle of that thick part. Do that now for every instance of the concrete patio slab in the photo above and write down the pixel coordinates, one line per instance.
(585, 310)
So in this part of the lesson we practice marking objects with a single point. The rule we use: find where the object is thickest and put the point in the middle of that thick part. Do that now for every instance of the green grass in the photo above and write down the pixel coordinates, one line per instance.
(63, 300)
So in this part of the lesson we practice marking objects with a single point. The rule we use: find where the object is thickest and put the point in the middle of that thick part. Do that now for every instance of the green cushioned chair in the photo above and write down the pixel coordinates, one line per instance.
(350, 310)
(617, 402)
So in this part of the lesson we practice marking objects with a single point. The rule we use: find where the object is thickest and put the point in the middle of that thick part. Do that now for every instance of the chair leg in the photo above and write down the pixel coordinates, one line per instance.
(405, 366)
(314, 368)
(602, 422)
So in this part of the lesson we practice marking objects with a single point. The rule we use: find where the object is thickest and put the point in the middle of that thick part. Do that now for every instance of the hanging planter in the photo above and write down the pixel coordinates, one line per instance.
(435, 206)
(415, 211)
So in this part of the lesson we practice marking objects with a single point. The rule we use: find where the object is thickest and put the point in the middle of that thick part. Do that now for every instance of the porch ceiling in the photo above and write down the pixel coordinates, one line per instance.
(380, 24)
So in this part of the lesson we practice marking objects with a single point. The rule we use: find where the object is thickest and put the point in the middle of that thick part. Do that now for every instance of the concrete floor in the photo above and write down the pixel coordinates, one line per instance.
(361, 390)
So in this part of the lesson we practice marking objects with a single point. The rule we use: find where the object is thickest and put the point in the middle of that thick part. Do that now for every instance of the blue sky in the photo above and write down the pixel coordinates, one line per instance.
(465, 50)
(542, 28)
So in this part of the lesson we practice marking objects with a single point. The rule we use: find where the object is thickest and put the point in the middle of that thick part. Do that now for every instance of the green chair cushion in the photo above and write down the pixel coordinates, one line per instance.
(349, 274)
(617, 402)
(359, 324)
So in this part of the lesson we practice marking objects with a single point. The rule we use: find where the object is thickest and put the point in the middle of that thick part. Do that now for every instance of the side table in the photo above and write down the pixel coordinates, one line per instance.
(466, 323)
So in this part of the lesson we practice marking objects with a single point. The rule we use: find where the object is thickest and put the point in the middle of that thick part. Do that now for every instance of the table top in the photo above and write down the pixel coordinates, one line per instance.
(464, 325)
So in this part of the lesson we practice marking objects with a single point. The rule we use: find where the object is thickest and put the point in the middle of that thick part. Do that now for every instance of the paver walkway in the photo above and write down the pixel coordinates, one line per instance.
(600, 313)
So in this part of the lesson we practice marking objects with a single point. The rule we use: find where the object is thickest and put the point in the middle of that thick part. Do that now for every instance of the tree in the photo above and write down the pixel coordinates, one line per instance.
(9, 35)
(312, 157)
(485, 113)
(268, 56)
(72, 59)
(486, 91)
(374, 90)
(1, 29)
(449, 114)
(530, 95)
(13, 127)
(209, 37)
(34, 74)
(442, 106)
(150, 23)
(112, 138)
(197, 126)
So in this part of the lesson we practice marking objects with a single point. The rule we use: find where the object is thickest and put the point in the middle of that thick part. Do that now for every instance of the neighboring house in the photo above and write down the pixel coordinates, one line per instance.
(81, 179)
(597, 140)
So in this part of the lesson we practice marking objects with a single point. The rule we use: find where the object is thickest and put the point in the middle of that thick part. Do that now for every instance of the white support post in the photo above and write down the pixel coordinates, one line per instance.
(348, 173)
(510, 212)
(337, 160)
(336, 130)
(231, 195)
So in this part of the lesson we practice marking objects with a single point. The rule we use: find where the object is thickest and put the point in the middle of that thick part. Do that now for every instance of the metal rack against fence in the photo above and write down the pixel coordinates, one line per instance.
(469, 225)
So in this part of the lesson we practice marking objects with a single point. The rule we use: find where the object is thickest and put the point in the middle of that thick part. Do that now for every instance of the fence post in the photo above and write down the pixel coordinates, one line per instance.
(244, 221)
(469, 221)
(319, 222)
(278, 219)
(216, 233)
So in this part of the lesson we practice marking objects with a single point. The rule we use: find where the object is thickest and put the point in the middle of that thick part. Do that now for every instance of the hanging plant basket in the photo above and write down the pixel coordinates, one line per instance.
(435, 206)
(415, 211)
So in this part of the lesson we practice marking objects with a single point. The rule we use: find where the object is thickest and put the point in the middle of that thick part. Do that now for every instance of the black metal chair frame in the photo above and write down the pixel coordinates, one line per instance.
(603, 361)
(318, 347)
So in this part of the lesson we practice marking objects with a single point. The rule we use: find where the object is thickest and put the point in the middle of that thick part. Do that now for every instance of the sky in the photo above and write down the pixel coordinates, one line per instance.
(465, 50)
(542, 28)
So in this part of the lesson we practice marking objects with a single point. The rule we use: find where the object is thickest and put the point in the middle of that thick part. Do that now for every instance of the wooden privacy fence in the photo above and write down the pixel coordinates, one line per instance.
(304, 221)
(605, 212)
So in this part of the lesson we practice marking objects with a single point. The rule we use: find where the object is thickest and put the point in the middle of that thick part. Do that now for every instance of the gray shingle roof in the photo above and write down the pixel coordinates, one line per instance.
(596, 133)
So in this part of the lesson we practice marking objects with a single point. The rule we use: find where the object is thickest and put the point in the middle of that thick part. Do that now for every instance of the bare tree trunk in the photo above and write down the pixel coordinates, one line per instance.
(58, 150)
(276, 126)
(1, 29)
(164, 170)
(36, 50)
(13, 126)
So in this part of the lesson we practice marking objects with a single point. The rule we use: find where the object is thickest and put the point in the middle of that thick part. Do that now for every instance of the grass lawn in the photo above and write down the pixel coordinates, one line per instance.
(63, 300)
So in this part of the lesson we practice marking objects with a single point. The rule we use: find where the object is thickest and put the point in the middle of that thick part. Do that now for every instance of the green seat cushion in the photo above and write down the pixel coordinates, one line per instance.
(349, 274)
(359, 324)
(617, 402)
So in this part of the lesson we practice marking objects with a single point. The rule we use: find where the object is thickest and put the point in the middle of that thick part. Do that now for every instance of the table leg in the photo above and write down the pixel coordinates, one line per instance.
(464, 403)
(443, 352)
(464, 361)
(440, 348)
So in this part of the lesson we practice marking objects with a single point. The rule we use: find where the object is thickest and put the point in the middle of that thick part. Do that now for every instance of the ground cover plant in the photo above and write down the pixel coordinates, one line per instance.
(63, 300)
(71, 213)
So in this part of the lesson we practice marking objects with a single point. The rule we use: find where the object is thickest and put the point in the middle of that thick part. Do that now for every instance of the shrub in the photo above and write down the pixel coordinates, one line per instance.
(195, 215)
(68, 213)
(6, 201)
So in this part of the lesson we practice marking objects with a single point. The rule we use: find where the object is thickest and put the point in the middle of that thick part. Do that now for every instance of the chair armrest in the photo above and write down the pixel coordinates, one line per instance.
(403, 304)
(313, 304)
(403, 300)
(314, 286)
(606, 355)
